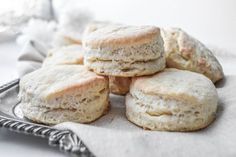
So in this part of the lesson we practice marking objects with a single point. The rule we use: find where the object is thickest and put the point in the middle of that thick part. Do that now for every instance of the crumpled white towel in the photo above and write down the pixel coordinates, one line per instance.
(42, 19)
(114, 136)
(14, 18)
(31, 57)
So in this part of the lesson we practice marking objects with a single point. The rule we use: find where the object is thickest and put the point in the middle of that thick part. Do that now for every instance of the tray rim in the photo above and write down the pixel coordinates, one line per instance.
(66, 140)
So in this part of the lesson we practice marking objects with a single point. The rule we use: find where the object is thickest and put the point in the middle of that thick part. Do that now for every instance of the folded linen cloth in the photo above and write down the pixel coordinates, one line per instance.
(114, 136)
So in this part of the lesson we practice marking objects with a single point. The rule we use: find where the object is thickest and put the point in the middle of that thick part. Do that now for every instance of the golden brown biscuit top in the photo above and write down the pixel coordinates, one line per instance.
(185, 52)
(118, 35)
(73, 54)
(177, 84)
(48, 82)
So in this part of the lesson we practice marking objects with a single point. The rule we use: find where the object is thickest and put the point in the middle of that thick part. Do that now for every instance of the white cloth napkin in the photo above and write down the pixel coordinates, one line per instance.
(114, 136)
(42, 19)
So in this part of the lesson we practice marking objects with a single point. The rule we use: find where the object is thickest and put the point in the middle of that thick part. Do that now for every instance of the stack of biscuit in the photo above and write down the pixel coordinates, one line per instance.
(166, 75)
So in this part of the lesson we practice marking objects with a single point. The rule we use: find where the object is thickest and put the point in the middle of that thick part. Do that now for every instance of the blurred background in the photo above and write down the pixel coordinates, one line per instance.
(211, 21)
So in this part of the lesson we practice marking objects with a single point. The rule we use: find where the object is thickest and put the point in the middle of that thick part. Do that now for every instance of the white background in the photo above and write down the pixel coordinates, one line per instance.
(213, 22)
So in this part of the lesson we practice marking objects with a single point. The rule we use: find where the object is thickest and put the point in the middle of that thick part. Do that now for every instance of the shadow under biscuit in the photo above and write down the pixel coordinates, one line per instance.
(116, 119)
(221, 83)
(219, 114)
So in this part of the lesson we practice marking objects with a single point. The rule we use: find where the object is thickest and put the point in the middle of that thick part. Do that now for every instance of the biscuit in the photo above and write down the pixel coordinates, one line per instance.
(172, 100)
(73, 54)
(60, 40)
(95, 25)
(119, 85)
(124, 51)
(185, 52)
(63, 93)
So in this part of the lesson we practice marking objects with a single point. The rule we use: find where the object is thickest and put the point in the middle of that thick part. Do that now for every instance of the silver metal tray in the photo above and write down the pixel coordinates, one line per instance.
(12, 118)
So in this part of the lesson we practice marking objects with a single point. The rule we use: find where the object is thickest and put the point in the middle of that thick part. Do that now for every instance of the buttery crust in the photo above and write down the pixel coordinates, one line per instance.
(73, 41)
(176, 84)
(173, 100)
(60, 79)
(72, 54)
(118, 35)
(119, 85)
(184, 52)
(125, 51)
(63, 93)
(93, 26)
